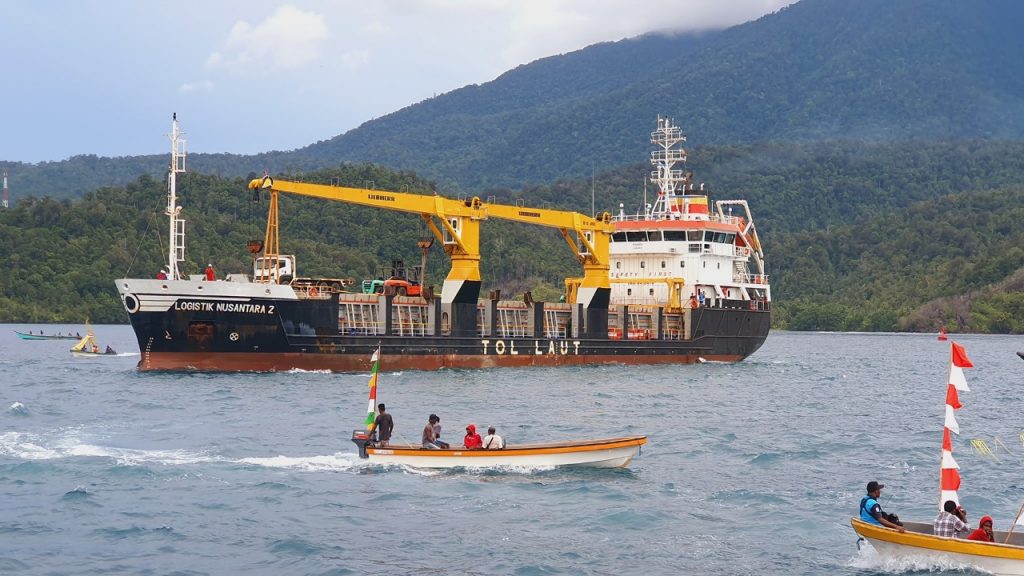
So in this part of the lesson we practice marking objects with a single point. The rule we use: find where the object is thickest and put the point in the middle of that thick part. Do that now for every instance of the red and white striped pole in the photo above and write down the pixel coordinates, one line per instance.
(949, 481)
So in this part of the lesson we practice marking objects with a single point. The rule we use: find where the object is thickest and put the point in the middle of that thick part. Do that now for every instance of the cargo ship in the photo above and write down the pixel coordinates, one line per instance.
(681, 280)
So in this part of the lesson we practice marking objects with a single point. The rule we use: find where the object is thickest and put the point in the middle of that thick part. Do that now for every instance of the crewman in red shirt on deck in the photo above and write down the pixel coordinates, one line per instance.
(210, 274)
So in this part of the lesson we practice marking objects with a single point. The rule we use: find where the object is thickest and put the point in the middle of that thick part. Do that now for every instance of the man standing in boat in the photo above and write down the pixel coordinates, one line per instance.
(871, 511)
(383, 425)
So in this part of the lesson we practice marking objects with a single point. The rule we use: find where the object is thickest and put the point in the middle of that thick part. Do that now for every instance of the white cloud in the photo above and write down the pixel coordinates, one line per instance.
(354, 59)
(288, 39)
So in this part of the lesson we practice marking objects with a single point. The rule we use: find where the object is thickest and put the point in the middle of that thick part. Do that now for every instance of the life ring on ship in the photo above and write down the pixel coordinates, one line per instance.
(313, 292)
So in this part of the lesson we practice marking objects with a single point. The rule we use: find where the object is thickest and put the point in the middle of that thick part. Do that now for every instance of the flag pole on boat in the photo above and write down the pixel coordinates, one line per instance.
(371, 413)
(1016, 521)
(949, 475)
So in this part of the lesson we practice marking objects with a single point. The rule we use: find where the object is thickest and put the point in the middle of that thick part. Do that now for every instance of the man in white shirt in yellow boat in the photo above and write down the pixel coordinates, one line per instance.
(951, 521)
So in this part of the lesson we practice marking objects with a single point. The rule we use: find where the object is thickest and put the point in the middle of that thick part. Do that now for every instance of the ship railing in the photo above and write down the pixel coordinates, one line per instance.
(756, 278)
(355, 317)
(556, 320)
(410, 319)
(711, 217)
(672, 326)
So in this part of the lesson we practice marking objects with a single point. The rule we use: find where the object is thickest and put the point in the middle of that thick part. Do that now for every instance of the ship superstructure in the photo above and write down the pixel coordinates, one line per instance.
(677, 252)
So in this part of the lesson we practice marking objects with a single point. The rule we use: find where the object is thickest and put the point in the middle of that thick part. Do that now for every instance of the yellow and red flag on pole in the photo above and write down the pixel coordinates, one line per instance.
(371, 414)
(949, 480)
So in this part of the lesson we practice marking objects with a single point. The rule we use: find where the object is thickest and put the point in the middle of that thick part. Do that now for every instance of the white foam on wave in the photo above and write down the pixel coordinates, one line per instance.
(18, 408)
(867, 558)
(67, 444)
(135, 457)
(301, 371)
(339, 461)
(25, 446)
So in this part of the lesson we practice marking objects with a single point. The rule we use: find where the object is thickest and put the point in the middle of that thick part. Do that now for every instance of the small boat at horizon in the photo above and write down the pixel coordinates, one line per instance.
(942, 334)
(918, 541)
(31, 336)
(598, 453)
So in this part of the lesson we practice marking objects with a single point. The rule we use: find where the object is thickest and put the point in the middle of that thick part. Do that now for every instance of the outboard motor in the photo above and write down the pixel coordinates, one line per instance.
(361, 439)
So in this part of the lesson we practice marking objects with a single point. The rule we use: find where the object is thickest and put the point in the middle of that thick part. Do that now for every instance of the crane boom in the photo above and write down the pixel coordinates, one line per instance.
(587, 237)
(456, 223)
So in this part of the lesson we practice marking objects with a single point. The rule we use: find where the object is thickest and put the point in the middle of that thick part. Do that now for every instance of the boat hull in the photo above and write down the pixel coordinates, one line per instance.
(604, 453)
(24, 336)
(233, 327)
(917, 543)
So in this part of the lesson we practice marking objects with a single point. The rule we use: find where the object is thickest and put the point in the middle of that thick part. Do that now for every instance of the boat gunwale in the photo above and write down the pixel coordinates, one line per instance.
(940, 543)
(569, 447)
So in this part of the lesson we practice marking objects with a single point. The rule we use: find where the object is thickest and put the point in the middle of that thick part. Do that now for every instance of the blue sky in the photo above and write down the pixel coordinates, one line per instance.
(103, 76)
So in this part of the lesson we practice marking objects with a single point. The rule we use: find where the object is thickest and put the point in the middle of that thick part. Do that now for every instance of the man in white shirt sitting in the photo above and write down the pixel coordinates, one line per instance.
(492, 441)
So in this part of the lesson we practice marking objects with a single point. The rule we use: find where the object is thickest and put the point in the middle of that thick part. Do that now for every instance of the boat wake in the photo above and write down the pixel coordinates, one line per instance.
(867, 558)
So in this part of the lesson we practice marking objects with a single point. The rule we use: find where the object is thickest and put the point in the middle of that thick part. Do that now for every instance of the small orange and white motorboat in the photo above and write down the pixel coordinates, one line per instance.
(601, 453)
(919, 543)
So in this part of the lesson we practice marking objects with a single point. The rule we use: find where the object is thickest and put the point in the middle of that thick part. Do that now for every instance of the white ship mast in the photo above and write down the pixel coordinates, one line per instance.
(176, 244)
(670, 181)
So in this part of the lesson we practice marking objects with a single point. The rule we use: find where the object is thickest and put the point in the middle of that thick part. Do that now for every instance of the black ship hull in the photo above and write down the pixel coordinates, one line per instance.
(222, 334)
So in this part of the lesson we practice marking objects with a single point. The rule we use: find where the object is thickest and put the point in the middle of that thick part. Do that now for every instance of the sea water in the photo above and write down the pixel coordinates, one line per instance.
(752, 468)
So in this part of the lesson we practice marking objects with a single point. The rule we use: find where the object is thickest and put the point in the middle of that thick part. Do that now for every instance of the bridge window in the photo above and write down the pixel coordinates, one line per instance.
(619, 237)
(694, 236)
(694, 247)
(654, 236)
(636, 236)
(675, 235)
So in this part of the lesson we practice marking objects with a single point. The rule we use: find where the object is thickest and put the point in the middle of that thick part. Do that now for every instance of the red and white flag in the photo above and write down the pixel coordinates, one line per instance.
(949, 481)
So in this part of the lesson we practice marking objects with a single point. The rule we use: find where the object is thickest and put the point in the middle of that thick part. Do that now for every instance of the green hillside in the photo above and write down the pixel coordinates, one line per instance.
(900, 250)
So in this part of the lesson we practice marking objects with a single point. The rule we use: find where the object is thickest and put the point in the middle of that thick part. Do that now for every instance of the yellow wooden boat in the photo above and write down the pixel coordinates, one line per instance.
(918, 543)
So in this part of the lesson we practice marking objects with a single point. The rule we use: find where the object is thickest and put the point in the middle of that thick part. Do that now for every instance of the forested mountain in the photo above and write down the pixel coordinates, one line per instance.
(922, 242)
(880, 145)
(870, 70)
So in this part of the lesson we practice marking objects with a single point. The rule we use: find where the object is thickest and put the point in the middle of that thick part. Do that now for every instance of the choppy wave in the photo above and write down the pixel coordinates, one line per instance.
(867, 558)
(18, 409)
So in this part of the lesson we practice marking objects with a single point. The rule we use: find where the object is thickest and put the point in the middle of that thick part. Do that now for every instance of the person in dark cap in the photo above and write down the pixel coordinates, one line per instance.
(871, 511)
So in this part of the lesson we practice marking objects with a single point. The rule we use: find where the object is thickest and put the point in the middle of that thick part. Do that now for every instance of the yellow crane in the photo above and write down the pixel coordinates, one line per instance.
(456, 224)
(587, 237)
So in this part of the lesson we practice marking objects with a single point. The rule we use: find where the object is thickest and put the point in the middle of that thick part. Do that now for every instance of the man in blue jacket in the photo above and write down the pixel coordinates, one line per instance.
(871, 510)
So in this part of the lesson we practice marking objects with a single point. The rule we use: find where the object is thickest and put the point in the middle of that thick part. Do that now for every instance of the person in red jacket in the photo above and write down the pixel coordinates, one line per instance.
(472, 439)
(210, 274)
(984, 531)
